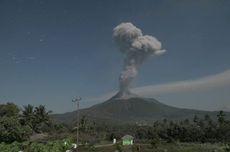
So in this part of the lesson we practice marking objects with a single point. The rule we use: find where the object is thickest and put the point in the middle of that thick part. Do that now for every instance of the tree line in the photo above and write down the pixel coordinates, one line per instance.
(196, 130)
(18, 124)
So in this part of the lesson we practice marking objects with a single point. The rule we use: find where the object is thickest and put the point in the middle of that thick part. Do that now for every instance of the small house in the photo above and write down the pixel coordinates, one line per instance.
(127, 140)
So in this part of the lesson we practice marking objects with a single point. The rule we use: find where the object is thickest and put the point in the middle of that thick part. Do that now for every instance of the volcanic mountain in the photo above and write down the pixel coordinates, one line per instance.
(133, 110)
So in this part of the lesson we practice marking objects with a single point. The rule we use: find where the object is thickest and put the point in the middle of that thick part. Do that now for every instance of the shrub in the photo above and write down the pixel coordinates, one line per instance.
(11, 130)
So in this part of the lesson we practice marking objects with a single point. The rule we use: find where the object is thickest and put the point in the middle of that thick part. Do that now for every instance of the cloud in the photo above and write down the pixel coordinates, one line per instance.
(206, 83)
(20, 59)
(210, 82)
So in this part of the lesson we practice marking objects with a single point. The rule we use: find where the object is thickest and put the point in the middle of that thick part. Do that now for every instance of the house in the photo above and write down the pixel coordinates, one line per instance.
(127, 140)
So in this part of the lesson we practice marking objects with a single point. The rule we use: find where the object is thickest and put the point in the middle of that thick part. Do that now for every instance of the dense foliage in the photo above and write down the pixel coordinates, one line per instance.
(12, 130)
(54, 146)
(196, 130)
(18, 125)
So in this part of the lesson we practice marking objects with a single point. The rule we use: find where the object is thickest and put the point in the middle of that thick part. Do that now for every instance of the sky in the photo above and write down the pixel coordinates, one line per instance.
(54, 50)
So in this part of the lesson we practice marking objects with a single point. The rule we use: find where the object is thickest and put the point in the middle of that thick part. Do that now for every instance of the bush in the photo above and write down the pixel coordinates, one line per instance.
(227, 148)
(154, 142)
(52, 146)
(11, 130)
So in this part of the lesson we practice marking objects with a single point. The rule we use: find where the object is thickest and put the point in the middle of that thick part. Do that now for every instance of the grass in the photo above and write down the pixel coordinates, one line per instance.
(182, 147)
(163, 147)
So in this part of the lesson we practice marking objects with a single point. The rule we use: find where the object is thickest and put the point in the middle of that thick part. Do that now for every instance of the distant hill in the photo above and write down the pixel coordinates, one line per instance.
(133, 110)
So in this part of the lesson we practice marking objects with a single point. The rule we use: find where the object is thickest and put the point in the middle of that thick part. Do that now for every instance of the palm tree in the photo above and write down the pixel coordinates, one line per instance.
(36, 117)
(42, 116)
(28, 115)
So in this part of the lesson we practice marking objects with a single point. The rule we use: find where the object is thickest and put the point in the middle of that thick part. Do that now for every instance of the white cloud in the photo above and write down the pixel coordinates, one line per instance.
(205, 83)
(210, 82)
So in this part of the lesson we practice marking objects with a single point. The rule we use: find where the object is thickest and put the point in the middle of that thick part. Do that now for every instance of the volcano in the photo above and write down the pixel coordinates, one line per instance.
(134, 110)
(124, 95)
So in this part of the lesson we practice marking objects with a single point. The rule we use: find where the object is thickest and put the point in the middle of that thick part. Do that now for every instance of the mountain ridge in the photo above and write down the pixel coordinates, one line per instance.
(133, 110)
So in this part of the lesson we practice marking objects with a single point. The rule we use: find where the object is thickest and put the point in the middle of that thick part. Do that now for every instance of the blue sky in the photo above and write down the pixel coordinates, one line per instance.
(51, 51)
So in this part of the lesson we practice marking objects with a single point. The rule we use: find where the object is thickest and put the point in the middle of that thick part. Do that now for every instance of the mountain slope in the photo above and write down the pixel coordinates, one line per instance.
(133, 110)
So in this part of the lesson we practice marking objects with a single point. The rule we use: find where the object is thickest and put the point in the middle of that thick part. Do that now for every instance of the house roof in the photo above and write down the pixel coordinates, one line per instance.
(127, 137)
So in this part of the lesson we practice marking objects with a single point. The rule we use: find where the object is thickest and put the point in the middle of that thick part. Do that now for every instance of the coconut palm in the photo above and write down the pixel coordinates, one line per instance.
(42, 117)
(36, 117)
(28, 116)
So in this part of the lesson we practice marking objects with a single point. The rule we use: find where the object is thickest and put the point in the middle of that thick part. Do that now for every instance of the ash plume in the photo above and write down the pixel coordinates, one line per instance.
(136, 47)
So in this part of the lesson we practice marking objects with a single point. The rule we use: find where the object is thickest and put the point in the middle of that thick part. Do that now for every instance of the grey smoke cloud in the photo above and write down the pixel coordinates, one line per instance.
(188, 88)
(124, 34)
(136, 47)
(210, 82)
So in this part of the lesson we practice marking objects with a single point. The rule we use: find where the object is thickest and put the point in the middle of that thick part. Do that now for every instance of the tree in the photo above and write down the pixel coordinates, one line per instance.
(141, 133)
(195, 119)
(28, 116)
(12, 130)
(9, 109)
(84, 123)
(17, 127)
(220, 117)
(41, 113)
(37, 118)
(42, 118)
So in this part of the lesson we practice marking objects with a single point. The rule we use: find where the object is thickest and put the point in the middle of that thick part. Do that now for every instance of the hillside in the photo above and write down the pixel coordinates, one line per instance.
(133, 110)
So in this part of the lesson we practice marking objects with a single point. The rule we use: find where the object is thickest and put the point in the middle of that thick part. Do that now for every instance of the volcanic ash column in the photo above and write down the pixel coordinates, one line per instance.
(136, 47)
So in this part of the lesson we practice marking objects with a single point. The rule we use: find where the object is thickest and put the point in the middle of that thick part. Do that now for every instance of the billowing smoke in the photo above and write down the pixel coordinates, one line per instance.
(136, 47)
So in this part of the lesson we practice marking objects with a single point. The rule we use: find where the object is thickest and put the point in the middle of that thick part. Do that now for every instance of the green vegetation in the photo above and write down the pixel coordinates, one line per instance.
(58, 146)
(11, 128)
(18, 126)
(54, 146)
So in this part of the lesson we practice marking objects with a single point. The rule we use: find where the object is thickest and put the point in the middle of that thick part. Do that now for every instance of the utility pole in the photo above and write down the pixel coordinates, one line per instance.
(77, 100)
